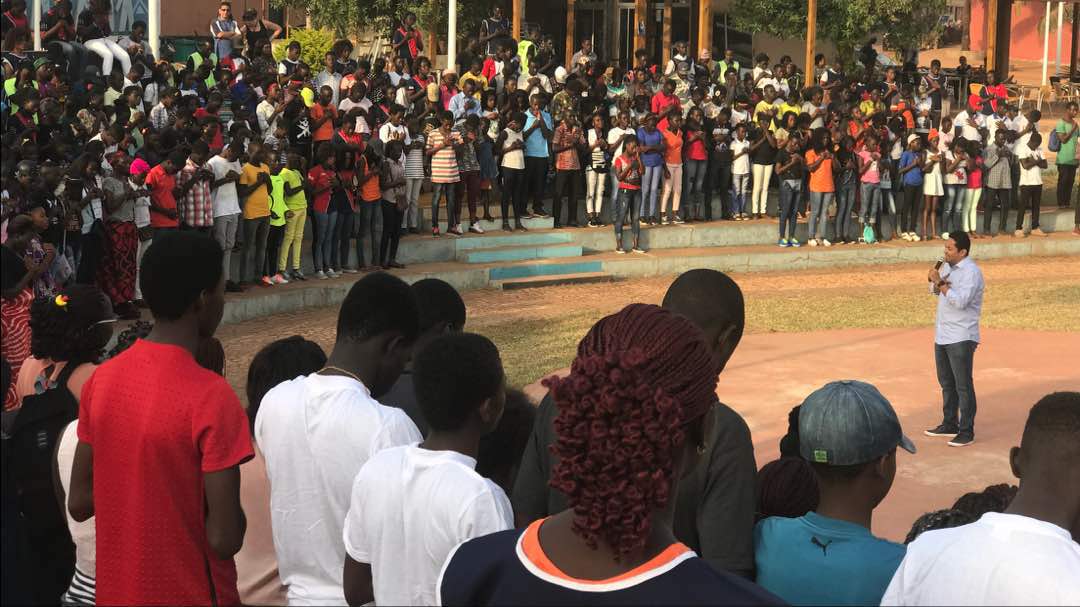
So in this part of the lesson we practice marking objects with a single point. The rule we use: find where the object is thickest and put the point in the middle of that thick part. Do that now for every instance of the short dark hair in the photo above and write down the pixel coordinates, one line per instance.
(176, 269)
(439, 303)
(378, 303)
(1053, 423)
(962, 240)
(938, 519)
(277, 362)
(500, 451)
(708, 298)
(453, 375)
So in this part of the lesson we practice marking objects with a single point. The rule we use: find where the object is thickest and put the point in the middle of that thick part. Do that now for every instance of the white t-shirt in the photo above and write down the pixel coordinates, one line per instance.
(614, 135)
(1032, 176)
(141, 208)
(315, 433)
(741, 165)
(225, 199)
(83, 534)
(971, 133)
(387, 129)
(263, 112)
(1001, 559)
(364, 104)
(410, 507)
(1016, 125)
(810, 108)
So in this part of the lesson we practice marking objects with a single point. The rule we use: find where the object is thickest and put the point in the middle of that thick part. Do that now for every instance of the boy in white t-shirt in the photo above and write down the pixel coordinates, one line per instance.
(1032, 163)
(412, 505)
(740, 172)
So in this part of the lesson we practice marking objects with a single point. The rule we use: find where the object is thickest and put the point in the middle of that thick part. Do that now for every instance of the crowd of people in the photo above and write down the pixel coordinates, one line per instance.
(108, 146)
(399, 469)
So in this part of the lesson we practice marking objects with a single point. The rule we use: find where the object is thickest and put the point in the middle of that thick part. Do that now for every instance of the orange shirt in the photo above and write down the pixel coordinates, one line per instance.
(672, 147)
(369, 191)
(325, 130)
(821, 180)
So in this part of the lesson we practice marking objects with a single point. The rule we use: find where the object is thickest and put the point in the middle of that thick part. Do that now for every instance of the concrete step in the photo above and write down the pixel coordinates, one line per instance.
(536, 223)
(580, 265)
(504, 239)
(533, 282)
(520, 253)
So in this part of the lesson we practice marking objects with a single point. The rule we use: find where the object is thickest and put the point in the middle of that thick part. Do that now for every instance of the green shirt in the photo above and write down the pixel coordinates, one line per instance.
(277, 200)
(296, 202)
(1067, 154)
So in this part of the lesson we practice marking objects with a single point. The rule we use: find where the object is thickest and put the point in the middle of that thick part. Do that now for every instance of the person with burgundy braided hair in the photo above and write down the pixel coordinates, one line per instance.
(634, 414)
(714, 511)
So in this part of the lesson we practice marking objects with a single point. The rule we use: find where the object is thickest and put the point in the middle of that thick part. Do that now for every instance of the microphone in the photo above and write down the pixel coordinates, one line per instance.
(940, 262)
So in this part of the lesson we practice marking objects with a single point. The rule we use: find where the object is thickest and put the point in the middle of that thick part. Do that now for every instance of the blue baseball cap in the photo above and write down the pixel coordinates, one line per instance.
(848, 422)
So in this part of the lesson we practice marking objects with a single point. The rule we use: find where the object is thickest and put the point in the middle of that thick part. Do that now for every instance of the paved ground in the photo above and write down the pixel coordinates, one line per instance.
(804, 329)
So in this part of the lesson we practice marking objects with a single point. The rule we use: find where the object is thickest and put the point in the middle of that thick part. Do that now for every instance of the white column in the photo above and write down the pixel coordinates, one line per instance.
(1057, 52)
(1046, 42)
(35, 14)
(153, 26)
(451, 36)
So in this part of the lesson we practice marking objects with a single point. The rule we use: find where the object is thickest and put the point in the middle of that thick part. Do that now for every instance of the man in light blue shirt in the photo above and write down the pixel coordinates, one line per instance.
(849, 433)
(537, 132)
(464, 104)
(958, 285)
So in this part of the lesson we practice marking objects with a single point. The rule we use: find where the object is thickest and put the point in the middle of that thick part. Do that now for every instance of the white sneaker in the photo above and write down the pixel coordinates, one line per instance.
(332, 274)
(944, 235)
(321, 275)
(278, 279)
(915, 238)
(906, 236)
(812, 242)
(476, 229)
(826, 242)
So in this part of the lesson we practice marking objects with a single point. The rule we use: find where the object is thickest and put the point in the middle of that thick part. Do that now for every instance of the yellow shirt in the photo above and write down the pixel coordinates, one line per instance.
(480, 80)
(257, 204)
(785, 108)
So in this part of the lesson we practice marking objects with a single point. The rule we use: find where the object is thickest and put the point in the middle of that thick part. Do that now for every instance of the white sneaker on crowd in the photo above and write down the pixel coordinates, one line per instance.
(826, 242)
(905, 236)
(944, 235)
(321, 275)
(279, 279)
(333, 273)
(812, 242)
(476, 229)
(915, 238)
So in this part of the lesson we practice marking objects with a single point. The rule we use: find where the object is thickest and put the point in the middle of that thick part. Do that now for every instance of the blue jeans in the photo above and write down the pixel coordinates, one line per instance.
(819, 212)
(613, 188)
(627, 203)
(954, 370)
(447, 190)
(845, 204)
(871, 202)
(650, 190)
(325, 224)
(790, 189)
(741, 189)
(953, 206)
(694, 170)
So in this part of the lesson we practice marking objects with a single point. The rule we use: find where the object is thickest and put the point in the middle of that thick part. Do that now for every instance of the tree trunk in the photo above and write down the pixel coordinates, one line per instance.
(965, 23)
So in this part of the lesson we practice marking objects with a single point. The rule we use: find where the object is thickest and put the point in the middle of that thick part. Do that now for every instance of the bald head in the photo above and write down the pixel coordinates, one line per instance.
(713, 302)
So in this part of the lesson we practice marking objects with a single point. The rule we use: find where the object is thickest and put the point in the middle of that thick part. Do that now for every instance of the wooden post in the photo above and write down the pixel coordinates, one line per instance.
(811, 39)
(991, 34)
(666, 53)
(641, 26)
(570, 46)
(705, 26)
(519, 14)
(1074, 54)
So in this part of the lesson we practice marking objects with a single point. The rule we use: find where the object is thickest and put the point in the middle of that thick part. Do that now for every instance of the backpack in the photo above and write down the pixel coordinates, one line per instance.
(32, 444)
(1054, 144)
(868, 234)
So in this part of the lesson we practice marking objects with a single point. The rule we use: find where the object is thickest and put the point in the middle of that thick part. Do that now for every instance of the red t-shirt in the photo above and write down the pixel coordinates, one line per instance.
(319, 178)
(660, 102)
(161, 186)
(157, 422)
(219, 140)
(325, 130)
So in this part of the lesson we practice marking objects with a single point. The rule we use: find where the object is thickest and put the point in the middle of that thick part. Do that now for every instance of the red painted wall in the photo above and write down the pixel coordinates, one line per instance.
(1027, 31)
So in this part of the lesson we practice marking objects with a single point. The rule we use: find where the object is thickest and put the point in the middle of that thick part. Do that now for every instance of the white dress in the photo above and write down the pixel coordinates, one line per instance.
(932, 182)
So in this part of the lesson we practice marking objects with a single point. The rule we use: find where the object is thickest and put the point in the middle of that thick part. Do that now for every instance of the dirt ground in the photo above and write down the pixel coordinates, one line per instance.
(804, 329)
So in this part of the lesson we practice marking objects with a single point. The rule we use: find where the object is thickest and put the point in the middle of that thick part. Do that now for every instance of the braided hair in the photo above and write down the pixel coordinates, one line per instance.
(67, 327)
(640, 377)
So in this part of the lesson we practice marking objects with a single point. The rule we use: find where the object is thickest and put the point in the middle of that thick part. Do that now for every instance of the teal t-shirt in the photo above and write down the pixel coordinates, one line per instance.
(816, 560)
(1067, 153)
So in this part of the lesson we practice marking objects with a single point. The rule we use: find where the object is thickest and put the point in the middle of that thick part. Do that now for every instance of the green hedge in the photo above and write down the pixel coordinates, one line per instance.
(314, 44)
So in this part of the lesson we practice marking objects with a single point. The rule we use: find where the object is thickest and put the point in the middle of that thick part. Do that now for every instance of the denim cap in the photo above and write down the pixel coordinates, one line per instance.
(848, 422)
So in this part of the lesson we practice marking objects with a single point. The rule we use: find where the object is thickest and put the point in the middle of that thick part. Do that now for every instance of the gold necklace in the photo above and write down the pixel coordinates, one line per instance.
(339, 369)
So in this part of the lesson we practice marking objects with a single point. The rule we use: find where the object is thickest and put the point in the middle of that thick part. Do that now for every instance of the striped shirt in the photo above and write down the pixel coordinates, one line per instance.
(82, 590)
(444, 163)
(414, 159)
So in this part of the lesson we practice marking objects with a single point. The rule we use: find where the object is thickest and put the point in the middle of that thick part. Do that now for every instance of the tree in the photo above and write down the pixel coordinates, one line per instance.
(345, 17)
(847, 23)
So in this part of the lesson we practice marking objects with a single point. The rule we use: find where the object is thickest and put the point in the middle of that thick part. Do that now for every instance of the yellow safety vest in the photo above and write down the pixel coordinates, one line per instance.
(523, 53)
(196, 61)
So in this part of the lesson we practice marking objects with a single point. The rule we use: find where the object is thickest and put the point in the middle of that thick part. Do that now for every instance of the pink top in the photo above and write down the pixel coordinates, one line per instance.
(872, 174)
